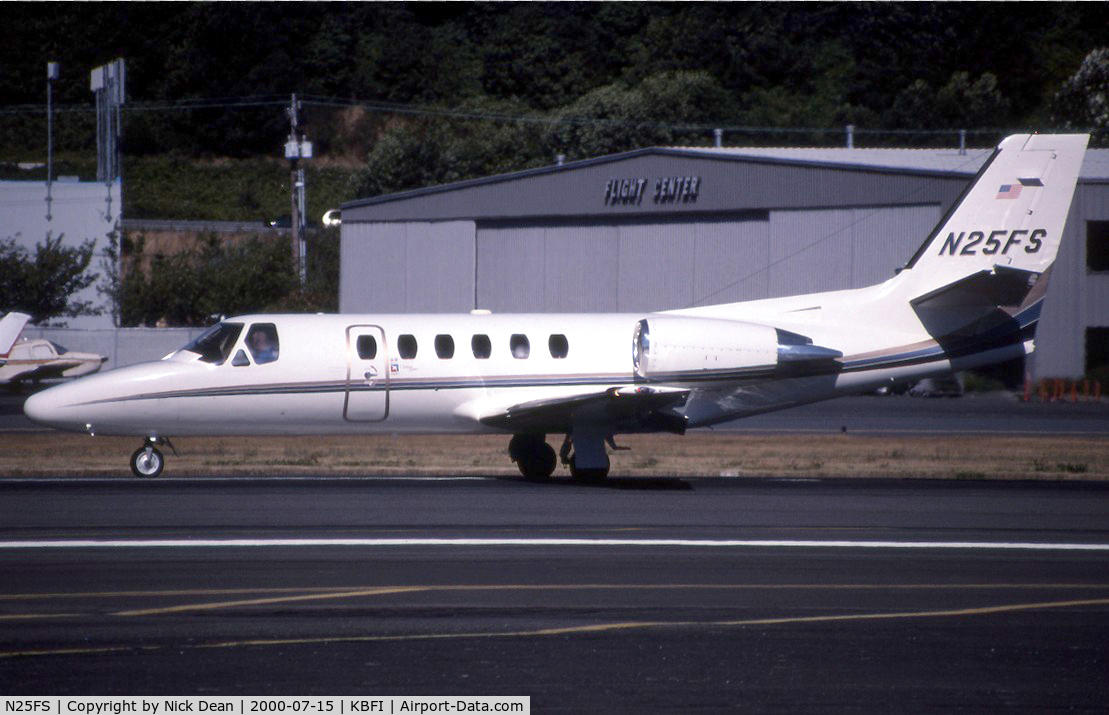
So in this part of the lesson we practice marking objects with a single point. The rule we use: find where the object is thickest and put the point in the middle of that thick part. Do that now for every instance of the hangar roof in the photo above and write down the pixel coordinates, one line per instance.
(1094, 168)
(731, 179)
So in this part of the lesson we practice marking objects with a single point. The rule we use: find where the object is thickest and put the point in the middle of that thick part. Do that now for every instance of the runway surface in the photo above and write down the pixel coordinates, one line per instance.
(649, 595)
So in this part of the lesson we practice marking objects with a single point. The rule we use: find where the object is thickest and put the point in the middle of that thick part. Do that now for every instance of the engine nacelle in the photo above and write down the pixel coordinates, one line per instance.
(678, 348)
(672, 348)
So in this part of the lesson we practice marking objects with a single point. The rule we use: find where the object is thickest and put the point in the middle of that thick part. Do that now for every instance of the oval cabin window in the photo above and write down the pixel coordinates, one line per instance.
(406, 346)
(560, 347)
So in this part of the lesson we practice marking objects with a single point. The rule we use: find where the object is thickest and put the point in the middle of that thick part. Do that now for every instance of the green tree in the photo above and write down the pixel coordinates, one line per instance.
(215, 278)
(1083, 101)
(666, 108)
(418, 153)
(44, 285)
(958, 104)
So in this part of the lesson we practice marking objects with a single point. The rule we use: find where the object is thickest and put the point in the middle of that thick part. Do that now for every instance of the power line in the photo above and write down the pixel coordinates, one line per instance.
(265, 101)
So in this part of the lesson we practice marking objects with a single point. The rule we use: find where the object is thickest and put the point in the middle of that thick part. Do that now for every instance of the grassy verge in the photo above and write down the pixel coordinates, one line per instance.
(697, 454)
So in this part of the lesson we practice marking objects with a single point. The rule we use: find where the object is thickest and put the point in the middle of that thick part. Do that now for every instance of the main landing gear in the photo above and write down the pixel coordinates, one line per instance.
(583, 453)
(148, 461)
(533, 456)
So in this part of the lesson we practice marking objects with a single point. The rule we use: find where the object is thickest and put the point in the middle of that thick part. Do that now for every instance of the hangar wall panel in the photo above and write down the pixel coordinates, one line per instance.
(79, 211)
(884, 240)
(1076, 298)
(582, 268)
(419, 266)
(810, 251)
(656, 266)
(633, 266)
(730, 261)
(547, 269)
(834, 249)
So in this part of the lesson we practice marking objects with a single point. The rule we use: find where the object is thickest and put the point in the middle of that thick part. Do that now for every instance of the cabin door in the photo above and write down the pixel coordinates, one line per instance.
(367, 393)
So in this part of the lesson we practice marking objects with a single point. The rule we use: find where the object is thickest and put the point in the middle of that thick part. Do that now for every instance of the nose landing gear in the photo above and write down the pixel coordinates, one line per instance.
(148, 461)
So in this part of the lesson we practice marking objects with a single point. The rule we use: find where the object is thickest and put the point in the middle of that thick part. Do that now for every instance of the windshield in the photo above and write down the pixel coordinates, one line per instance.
(215, 344)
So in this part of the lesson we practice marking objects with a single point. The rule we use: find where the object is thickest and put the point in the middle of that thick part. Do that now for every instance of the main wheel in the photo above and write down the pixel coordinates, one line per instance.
(588, 476)
(147, 462)
(535, 458)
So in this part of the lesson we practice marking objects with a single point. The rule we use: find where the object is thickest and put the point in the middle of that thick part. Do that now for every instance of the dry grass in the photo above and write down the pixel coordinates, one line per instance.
(696, 454)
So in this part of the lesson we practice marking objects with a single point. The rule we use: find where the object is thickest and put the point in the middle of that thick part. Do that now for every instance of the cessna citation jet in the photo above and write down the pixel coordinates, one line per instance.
(971, 296)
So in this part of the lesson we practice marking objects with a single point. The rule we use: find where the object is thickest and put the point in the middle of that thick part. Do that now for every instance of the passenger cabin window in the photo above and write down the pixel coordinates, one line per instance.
(366, 345)
(482, 347)
(406, 346)
(444, 347)
(520, 346)
(262, 341)
(559, 346)
(215, 344)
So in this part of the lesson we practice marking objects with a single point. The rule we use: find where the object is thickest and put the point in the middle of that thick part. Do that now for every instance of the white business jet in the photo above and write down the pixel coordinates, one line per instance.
(970, 297)
(33, 360)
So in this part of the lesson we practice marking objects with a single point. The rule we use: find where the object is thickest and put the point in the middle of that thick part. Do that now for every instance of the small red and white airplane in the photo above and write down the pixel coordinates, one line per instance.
(23, 359)
(970, 297)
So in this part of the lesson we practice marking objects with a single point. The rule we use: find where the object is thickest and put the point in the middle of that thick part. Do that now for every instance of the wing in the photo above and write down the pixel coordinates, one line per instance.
(620, 409)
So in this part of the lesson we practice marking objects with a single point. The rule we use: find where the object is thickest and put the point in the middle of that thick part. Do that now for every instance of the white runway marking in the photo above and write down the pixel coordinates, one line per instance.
(464, 542)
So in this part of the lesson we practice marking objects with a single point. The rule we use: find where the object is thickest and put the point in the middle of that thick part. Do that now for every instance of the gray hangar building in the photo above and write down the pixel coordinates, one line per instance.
(665, 228)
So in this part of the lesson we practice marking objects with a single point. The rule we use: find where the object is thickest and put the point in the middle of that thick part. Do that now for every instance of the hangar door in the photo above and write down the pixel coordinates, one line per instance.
(621, 267)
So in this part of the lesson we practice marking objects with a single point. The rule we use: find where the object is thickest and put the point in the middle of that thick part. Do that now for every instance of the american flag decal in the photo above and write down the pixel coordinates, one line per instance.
(1009, 191)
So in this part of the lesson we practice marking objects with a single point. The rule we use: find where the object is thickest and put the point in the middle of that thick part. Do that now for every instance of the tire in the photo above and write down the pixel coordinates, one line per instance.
(535, 459)
(146, 466)
(588, 476)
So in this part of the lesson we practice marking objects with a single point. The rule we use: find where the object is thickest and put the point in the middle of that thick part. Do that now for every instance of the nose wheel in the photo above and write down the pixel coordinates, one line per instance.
(148, 461)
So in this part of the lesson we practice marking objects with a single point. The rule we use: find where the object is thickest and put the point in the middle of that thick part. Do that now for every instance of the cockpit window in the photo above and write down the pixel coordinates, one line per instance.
(215, 344)
(262, 341)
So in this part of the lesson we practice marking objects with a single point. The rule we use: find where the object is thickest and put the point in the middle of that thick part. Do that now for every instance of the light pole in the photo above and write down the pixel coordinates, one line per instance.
(298, 147)
(51, 75)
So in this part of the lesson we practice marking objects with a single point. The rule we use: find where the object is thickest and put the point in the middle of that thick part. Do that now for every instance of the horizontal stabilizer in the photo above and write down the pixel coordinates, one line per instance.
(969, 303)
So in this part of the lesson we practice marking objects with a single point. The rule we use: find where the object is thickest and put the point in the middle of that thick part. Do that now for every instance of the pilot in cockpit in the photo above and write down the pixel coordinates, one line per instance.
(263, 343)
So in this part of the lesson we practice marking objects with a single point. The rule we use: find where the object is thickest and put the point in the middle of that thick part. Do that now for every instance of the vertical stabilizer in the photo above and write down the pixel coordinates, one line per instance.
(1011, 218)
(11, 325)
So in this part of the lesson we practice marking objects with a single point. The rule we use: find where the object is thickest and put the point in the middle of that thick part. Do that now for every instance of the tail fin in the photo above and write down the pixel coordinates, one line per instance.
(1011, 216)
(11, 325)
(993, 251)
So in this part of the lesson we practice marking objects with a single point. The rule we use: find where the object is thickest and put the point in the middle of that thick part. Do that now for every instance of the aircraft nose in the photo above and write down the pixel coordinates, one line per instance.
(53, 408)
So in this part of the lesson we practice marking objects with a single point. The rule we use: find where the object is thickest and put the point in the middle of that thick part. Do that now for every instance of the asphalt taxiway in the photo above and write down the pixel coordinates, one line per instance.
(643, 594)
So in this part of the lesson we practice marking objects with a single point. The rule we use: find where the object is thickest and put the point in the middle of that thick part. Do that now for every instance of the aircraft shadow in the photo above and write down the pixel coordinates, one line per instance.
(663, 484)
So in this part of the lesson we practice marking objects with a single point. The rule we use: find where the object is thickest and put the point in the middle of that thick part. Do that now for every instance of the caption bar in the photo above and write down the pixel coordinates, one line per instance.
(315, 705)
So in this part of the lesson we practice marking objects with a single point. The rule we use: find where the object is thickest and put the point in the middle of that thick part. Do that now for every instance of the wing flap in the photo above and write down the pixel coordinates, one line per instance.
(621, 409)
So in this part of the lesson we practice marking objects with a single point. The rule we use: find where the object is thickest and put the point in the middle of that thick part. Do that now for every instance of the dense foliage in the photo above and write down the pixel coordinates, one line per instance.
(774, 65)
(216, 277)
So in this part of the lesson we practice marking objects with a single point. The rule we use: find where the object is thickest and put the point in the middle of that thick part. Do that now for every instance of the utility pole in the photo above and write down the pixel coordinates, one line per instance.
(51, 75)
(297, 148)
